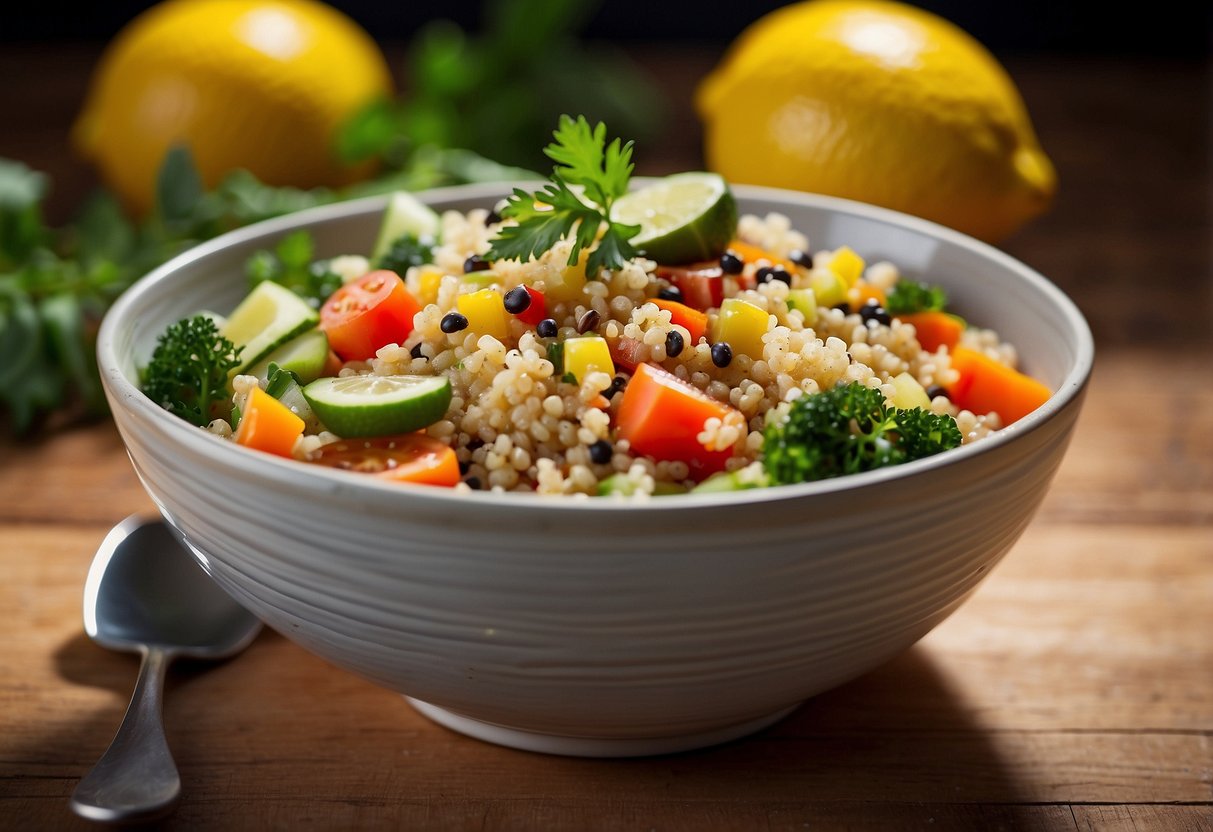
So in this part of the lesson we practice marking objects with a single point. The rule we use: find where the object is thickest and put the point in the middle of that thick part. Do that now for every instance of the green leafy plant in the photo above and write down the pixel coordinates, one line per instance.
(847, 430)
(583, 158)
(909, 296)
(188, 371)
(291, 265)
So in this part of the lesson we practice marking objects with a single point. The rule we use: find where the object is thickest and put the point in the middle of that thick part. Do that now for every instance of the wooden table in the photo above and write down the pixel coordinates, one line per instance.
(1074, 691)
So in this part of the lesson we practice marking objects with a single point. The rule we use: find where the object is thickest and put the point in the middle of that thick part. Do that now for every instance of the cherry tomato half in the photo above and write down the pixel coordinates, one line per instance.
(367, 314)
(411, 457)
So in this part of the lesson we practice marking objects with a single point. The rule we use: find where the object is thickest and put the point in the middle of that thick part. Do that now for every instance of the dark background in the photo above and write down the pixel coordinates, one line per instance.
(1176, 29)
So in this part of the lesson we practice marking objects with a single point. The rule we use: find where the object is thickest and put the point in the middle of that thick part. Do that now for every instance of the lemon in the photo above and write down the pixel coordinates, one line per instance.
(879, 102)
(682, 218)
(255, 84)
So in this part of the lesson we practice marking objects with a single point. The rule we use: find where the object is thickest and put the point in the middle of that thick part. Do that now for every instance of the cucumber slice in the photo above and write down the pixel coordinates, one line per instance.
(284, 386)
(683, 218)
(267, 318)
(405, 214)
(622, 485)
(743, 479)
(304, 356)
(370, 405)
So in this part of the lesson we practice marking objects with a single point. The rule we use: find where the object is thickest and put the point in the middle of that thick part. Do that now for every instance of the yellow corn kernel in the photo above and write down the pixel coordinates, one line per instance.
(566, 284)
(741, 325)
(828, 287)
(429, 279)
(846, 264)
(485, 312)
(586, 355)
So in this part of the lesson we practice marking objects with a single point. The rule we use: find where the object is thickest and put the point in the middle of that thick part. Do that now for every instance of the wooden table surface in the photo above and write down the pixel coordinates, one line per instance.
(1073, 691)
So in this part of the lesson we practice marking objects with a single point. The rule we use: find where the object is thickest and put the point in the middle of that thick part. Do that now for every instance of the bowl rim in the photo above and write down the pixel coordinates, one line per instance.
(287, 472)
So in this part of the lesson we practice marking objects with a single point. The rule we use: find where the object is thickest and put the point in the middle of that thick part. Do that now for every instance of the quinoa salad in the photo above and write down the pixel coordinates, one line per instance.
(698, 351)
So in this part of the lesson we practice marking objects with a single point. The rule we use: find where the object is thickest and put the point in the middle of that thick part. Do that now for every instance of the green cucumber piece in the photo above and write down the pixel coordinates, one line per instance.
(266, 319)
(405, 214)
(305, 356)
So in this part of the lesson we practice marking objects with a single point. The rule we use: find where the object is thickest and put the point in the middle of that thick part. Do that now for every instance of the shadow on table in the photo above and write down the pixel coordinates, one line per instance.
(899, 733)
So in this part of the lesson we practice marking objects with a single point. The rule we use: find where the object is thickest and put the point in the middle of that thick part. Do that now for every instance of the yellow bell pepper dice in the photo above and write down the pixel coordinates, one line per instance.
(586, 355)
(741, 325)
(428, 281)
(828, 288)
(566, 283)
(485, 311)
(846, 264)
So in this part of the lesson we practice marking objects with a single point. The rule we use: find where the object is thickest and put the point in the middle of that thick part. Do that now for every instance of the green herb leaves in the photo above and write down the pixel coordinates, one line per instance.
(584, 160)
(187, 374)
(909, 296)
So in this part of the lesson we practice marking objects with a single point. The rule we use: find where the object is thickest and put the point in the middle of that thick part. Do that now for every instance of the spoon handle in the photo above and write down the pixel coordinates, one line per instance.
(136, 777)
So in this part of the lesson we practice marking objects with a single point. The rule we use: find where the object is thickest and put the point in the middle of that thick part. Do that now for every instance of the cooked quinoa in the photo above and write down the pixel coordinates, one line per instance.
(515, 425)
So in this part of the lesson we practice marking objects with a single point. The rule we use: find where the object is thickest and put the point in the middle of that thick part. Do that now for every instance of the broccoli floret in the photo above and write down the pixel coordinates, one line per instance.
(908, 296)
(847, 430)
(407, 250)
(188, 372)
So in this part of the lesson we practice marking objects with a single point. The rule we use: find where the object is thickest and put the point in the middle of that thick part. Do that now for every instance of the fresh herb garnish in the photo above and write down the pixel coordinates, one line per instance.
(187, 374)
(847, 430)
(291, 265)
(584, 159)
(908, 296)
(405, 252)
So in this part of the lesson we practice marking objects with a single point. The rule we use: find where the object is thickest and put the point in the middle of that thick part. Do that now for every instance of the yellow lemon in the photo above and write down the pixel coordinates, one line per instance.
(879, 102)
(255, 84)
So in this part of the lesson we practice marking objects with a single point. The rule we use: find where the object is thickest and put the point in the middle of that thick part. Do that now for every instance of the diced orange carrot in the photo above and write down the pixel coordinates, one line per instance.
(694, 321)
(268, 425)
(984, 386)
(751, 253)
(863, 292)
(935, 329)
(662, 416)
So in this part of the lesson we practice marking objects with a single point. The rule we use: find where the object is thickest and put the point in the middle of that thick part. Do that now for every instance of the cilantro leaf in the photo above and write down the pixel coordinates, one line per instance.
(909, 296)
(584, 159)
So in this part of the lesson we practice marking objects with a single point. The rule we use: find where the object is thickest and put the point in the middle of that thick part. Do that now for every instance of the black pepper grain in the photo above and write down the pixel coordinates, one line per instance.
(722, 354)
(473, 483)
(547, 328)
(670, 293)
(416, 350)
(617, 385)
(673, 343)
(453, 322)
(517, 300)
(935, 391)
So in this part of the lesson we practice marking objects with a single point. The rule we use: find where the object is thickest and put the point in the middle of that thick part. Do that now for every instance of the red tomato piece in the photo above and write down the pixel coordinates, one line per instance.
(662, 416)
(537, 311)
(701, 284)
(412, 457)
(369, 313)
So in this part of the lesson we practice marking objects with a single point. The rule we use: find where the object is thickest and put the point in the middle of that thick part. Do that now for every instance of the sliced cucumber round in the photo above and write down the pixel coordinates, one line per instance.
(371, 405)
(305, 356)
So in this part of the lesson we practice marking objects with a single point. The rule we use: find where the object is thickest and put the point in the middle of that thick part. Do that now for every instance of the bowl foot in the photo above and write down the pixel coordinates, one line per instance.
(592, 746)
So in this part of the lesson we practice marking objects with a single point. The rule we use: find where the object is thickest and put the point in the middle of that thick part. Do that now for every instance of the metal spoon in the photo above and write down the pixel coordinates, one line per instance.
(145, 594)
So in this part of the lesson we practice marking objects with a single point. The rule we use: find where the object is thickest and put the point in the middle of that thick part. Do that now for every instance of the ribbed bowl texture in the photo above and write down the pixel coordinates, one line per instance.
(601, 626)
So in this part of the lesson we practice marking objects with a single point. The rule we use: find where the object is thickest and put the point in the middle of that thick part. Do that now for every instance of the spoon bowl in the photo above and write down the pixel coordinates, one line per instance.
(146, 594)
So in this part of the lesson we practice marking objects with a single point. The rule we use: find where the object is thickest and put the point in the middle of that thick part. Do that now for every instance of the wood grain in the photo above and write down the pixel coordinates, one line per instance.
(1074, 691)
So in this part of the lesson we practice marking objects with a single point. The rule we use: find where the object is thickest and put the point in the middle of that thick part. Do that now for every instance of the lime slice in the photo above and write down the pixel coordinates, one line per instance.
(373, 405)
(405, 214)
(304, 356)
(268, 317)
(683, 218)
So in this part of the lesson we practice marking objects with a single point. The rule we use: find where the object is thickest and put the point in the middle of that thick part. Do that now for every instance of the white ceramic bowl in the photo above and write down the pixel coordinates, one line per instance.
(599, 627)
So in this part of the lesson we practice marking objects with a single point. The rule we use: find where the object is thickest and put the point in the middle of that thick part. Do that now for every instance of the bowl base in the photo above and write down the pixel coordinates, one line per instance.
(592, 746)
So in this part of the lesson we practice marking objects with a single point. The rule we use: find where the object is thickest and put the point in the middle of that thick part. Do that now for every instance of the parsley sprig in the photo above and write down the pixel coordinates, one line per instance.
(583, 158)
